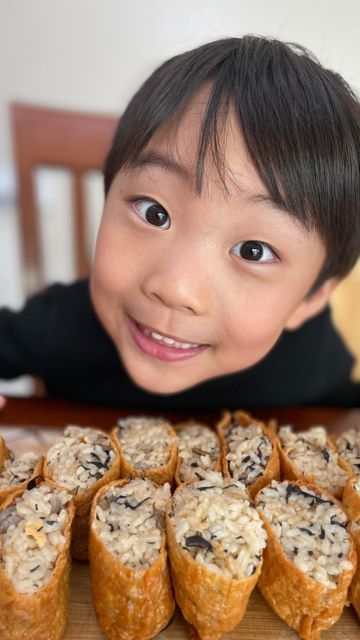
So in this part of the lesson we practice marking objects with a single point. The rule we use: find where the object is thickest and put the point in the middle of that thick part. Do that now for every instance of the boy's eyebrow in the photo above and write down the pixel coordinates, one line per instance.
(167, 163)
(304, 225)
(265, 198)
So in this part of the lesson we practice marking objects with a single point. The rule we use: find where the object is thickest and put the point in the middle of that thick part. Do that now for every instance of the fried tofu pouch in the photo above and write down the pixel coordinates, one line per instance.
(218, 463)
(130, 604)
(11, 489)
(355, 585)
(272, 468)
(212, 604)
(5, 453)
(351, 500)
(351, 504)
(159, 475)
(43, 615)
(82, 502)
(305, 605)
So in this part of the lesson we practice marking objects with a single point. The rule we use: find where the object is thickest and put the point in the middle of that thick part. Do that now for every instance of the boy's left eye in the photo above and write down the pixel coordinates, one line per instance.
(152, 212)
(255, 251)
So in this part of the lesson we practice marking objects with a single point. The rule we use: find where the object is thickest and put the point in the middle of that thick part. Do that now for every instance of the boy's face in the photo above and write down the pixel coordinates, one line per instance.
(222, 274)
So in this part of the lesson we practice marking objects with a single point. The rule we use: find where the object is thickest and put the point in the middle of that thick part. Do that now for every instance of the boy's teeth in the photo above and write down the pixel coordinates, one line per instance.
(169, 341)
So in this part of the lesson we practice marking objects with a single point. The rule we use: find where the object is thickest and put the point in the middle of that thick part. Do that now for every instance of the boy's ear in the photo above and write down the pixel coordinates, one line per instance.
(312, 304)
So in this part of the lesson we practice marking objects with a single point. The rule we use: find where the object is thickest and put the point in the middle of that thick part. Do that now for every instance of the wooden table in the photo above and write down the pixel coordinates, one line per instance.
(40, 420)
(56, 413)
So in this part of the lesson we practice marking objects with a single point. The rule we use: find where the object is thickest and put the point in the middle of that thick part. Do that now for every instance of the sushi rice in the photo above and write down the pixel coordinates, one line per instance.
(80, 458)
(311, 528)
(146, 443)
(312, 455)
(19, 470)
(348, 446)
(199, 450)
(31, 536)
(130, 521)
(215, 523)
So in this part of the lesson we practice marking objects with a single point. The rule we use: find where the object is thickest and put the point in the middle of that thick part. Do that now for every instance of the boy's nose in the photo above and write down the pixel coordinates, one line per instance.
(179, 282)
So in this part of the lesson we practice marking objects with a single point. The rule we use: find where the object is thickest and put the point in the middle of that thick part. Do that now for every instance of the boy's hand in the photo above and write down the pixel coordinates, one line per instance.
(2, 402)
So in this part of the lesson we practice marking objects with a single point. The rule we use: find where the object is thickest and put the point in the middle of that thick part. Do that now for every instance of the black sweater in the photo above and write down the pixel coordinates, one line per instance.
(58, 337)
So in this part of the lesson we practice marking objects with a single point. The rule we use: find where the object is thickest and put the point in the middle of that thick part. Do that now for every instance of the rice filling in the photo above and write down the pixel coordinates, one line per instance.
(146, 442)
(130, 521)
(17, 471)
(214, 521)
(355, 524)
(249, 452)
(80, 458)
(310, 453)
(198, 449)
(311, 528)
(348, 445)
(31, 536)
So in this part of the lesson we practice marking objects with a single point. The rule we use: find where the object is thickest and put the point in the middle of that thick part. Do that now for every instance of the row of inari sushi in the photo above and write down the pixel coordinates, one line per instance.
(181, 513)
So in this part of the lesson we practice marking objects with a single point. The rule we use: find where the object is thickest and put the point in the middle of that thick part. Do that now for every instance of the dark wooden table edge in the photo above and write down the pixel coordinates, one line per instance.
(52, 412)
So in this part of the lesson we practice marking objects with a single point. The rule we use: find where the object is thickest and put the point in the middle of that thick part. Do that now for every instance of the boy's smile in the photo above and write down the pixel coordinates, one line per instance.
(161, 346)
(191, 287)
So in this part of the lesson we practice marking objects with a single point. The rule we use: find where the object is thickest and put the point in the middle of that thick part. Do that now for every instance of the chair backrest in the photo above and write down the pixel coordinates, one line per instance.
(48, 137)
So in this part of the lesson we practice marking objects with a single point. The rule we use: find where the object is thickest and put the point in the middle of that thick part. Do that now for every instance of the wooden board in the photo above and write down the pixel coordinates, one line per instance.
(259, 623)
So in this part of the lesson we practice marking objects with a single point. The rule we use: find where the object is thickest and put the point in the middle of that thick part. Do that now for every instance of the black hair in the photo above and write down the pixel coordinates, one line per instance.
(300, 123)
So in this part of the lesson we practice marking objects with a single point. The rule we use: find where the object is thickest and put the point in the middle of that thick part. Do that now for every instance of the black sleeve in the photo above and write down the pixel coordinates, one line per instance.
(56, 334)
(23, 337)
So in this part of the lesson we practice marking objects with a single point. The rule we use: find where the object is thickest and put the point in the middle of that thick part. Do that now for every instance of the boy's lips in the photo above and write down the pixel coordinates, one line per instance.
(162, 346)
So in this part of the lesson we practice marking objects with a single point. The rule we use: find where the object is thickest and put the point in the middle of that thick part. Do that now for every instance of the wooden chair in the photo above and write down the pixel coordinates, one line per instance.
(65, 139)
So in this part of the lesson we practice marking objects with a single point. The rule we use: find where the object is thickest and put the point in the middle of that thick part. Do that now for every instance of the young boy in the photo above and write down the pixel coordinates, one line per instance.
(232, 211)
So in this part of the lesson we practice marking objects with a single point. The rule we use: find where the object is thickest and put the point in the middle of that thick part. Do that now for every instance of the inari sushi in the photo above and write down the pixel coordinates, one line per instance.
(309, 560)
(249, 450)
(348, 446)
(355, 585)
(354, 513)
(148, 448)
(81, 462)
(130, 580)
(35, 528)
(199, 449)
(310, 455)
(215, 541)
(5, 453)
(17, 473)
(351, 498)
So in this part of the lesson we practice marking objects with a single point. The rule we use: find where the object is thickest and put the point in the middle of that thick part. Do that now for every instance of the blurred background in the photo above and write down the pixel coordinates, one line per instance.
(90, 56)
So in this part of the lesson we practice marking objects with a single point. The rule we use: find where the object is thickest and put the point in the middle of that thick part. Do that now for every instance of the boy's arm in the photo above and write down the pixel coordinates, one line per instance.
(58, 337)
(23, 338)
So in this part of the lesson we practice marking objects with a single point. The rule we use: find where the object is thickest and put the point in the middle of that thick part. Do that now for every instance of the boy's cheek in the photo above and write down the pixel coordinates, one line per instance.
(103, 281)
(246, 349)
(109, 266)
(252, 332)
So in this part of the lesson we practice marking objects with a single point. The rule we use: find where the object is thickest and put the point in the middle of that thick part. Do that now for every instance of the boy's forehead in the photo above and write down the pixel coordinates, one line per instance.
(175, 145)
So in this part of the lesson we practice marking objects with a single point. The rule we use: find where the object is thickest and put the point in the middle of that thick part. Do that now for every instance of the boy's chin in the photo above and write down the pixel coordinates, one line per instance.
(161, 385)
(161, 388)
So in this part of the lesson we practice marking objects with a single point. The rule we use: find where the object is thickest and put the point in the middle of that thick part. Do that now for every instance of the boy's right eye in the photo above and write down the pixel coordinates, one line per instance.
(152, 212)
